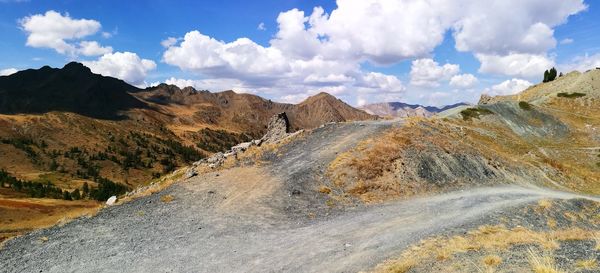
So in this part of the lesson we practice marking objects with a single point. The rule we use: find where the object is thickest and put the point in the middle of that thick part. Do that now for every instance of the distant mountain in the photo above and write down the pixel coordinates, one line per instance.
(324, 107)
(74, 88)
(247, 112)
(403, 110)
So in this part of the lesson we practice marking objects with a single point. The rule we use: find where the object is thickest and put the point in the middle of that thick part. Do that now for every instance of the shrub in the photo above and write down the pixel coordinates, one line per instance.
(525, 105)
(470, 113)
(570, 95)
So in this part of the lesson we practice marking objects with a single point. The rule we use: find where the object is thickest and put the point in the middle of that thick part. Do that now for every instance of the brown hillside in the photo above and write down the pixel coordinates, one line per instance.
(76, 127)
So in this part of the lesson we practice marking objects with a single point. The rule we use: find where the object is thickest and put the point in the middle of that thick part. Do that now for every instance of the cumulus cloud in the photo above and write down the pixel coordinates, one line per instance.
(427, 72)
(92, 48)
(57, 31)
(170, 41)
(518, 65)
(384, 82)
(326, 51)
(8, 71)
(508, 87)
(240, 58)
(463, 81)
(581, 63)
(123, 65)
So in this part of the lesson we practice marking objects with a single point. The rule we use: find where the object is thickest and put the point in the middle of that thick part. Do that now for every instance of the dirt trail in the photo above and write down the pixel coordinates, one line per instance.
(232, 221)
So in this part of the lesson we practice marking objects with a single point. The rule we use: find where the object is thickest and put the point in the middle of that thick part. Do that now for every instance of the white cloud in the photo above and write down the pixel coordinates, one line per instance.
(320, 51)
(92, 48)
(239, 59)
(261, 26)
(511, 26)
(508, 87)
(518, 65)
(427, 72)
(581, 63)
(8, 71)
(383, 82)
(463, 81)
(566, 41)
(170, 41)
(54, 30)
(123, 65)
(106, 35)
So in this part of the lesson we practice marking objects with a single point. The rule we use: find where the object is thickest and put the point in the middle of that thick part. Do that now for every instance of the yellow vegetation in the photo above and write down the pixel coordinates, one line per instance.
(588, 264)
(542, 263)
(486, 238)
(167, 198)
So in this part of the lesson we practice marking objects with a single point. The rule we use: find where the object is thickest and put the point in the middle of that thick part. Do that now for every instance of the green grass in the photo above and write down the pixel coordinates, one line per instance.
(471, 113)
(570, 95)
(525, 105)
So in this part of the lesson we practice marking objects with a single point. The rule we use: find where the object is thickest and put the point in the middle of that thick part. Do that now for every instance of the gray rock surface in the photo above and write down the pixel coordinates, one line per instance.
(278, 128)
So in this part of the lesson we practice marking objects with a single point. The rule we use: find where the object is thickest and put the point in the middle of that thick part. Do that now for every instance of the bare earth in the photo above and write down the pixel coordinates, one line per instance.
(258, 219)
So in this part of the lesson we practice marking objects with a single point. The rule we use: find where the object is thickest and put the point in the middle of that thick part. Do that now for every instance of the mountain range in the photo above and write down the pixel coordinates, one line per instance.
(404, 110)
(69, 126)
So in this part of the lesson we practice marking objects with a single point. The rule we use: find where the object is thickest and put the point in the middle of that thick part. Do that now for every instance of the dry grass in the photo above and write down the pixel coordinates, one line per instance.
(167, 198)
(596, 238)
(18, 216)
(545, 204)
(588, 264)
(543, 263)
(491, 260)
(324, 189)
(488, 239)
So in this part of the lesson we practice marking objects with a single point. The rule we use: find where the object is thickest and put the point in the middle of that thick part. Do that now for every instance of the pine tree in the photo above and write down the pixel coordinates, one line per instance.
(85, 189)
(67, 195)
(546, 76)
(552, 74)
(76, 195)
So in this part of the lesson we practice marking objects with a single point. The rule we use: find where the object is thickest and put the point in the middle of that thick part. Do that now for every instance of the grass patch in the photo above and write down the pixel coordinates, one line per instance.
(588, 264)
(573, 95)
(542, 263)
(525, 105)
(324, 189)
(490, 238)
(167, 198)
(471, 113)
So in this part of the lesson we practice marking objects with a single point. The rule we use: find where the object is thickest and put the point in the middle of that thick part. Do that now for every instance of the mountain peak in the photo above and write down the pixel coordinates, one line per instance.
(73, 88)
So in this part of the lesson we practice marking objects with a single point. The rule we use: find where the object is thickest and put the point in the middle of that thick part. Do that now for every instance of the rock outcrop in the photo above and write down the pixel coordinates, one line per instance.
(278, 128)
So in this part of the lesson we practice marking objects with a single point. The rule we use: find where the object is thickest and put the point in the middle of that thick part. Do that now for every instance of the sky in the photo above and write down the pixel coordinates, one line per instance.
(431, 52)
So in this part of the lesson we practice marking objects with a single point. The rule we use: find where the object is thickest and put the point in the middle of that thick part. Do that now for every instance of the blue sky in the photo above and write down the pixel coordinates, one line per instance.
(429, 52)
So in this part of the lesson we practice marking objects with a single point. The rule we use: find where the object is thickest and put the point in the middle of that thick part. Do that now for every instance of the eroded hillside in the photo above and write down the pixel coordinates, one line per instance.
(539, 137)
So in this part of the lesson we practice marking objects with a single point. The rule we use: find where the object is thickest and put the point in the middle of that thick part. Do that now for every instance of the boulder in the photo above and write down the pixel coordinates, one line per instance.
(485, 99)
(111, 201)
(241, 147)
(191, 172)
(278, 128)
(218, 157)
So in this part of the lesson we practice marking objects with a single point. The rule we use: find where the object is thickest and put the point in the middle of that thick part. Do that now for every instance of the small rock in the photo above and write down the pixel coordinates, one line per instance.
(242, 147)
(347, 245)
(111, 201)
(191, 172)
